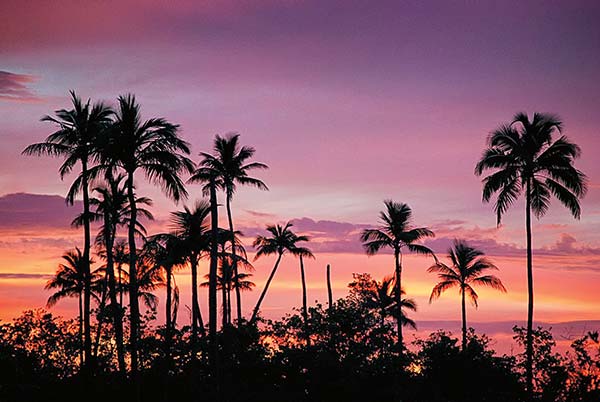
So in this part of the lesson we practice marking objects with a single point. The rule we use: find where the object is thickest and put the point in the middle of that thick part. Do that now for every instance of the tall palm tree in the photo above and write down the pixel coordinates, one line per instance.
(190, 226)
(396, 233)
(467, 269)
(229, 167)
(524, 158)
(111, 207)
(304, 253)
(153, 147)
(282, 240)
(75, 138)
(70, 280)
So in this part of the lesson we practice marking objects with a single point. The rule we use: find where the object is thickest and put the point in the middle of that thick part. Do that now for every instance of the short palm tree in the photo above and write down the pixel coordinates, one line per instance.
(153, 147)
(192, 230)
(282, 240)
(229, 167)
(78, 131)
(467, 270)
(524, 158)
(70, 280)
(396, 233)
(382, 297)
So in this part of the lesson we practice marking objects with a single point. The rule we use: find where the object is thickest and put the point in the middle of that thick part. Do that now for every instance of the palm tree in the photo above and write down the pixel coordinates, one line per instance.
(382, 297)
(70, 280)
(112, 209)
(155, 148)
(468, 265)
(304, 253)
(191, 228)
(524, 158)
(78, 131)
(228, 167)
(396, 233)
(281, 241)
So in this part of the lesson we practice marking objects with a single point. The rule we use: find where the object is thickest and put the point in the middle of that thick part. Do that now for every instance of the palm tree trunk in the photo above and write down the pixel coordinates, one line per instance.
(168, 313)
(399, 299)
(238, 295)
(81, 357)
(264, 292)
(224, 306)
(196, 314)
(329, 291)
(133, 289)
(87, 344)
(99, 318)
(529, 347)
(304, 303)
(116, 309)
(212, 281)
(464, 320)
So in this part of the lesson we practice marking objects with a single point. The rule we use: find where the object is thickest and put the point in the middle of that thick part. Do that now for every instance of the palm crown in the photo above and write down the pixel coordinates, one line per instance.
(525, 158)
(282, 240)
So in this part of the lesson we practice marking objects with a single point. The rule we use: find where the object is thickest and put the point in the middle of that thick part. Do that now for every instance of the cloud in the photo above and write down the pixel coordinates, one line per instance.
(14, 87)
(17, 275)
(30, 211)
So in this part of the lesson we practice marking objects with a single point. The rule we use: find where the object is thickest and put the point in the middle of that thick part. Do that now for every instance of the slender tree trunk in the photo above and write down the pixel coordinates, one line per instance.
(229, 303)
(529, 346)
(169, 323)
(399, 299)
(212, 282)
(464, 320)
(133, 288)
(264, 292)
(87, 344)
(116, 308)
(329, 291)
(99, 319)
(81, 356)
(238, 295)
(304, 303)
(197, 324)
(224, 306)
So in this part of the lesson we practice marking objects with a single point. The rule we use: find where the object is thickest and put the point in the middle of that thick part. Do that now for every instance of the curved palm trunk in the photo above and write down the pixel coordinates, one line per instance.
(197, 322)
(329, 291)
(399, 299)
(264, 292)
(133, 288)
(529, 347)
(464, 320)
(99, 318)
(304, 303)
(169, 318)
(87, 344)
(238, 295)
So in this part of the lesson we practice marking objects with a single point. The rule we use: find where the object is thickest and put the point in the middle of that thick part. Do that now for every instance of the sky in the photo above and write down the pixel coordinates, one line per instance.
(348, 102)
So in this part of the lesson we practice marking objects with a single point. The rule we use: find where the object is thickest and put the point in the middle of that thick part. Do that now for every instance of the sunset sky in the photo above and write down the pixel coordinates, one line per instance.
(349, 104)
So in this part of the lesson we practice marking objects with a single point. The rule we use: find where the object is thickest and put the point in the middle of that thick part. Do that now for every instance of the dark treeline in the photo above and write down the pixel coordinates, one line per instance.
(351, 349)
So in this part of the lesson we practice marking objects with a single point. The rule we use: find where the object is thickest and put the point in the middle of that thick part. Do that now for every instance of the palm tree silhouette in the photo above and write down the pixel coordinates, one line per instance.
(229, 167)
(468, 265)
(78, 131)
(396, 233)
(382, 297)
(112, 209)
(71, 280)
(190, 226)
(524, 158)
(155, 148)
(281, 241)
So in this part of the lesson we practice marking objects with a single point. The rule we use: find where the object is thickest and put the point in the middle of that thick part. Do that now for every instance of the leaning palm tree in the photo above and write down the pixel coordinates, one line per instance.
(281, 241)
(154, 148)
(396, 233)
(78, 131)
(70, 280)
(524, 158)
(228, 167)
(192, 230)
(467, 269)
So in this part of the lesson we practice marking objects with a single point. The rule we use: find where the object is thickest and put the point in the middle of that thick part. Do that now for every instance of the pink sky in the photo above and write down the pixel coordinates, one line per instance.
(347, 103)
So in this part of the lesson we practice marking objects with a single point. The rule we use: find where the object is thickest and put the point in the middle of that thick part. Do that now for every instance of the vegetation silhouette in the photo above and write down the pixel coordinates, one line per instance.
(352, 350)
